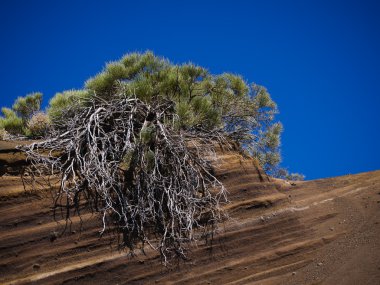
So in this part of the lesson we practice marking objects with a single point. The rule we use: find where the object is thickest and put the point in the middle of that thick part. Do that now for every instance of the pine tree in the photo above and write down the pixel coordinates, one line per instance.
(201, 100)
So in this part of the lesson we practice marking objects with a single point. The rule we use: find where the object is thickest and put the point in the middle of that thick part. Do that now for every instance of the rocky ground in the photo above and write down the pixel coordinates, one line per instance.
(315, 232)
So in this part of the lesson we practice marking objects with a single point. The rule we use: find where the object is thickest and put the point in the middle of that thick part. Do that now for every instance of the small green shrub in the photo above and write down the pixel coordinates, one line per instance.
(295, 177)
(11, 123)
(26, 107)
(283, 173)
(15, 120)
(38, 125)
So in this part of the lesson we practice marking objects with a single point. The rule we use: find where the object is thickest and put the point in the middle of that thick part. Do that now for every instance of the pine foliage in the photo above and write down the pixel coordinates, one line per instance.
(26, 107)
(10, 122)
(25, 118)
(202, 100)
(61, 102)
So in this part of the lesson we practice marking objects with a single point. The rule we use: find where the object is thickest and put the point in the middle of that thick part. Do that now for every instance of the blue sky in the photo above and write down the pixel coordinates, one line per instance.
(320, 61)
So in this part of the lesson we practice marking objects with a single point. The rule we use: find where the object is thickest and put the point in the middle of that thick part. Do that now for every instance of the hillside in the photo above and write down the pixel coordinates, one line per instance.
(315, 232)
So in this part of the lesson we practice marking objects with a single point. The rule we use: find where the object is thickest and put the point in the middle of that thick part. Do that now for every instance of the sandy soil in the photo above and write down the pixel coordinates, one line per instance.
(316, 232)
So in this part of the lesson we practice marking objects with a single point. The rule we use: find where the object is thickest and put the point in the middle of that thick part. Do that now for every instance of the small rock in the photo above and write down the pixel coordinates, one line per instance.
(262, 219)
(331, 229)
(245, 268)
(73, 232)
(293, 273)
(53, 236)
(319, 263)
(76, 242)
(36, 266)
(141, 261)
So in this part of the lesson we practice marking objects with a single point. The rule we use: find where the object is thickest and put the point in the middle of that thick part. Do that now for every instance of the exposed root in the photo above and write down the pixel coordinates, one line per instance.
(129, 162)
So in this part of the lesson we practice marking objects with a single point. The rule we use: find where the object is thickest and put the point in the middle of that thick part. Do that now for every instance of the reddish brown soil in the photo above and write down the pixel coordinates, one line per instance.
(316, 232)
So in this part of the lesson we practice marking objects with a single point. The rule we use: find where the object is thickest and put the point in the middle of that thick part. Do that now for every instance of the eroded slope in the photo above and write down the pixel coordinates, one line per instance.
(317, 232)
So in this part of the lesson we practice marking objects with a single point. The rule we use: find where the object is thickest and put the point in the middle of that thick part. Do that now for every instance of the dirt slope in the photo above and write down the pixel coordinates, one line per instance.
(317, 232)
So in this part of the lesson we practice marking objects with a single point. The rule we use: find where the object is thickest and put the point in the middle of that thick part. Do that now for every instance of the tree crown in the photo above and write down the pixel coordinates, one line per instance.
(201, 100)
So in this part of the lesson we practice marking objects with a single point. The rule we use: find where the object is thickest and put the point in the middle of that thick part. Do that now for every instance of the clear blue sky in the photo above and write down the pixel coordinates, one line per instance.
(320, 60)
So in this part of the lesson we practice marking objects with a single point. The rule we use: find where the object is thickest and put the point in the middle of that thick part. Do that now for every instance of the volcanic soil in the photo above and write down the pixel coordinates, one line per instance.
(323, 231)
